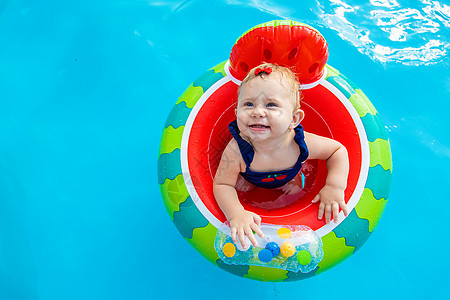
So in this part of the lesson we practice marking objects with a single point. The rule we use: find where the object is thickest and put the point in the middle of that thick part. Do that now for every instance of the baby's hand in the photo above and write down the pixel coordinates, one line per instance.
(331, 198)
(243, 224)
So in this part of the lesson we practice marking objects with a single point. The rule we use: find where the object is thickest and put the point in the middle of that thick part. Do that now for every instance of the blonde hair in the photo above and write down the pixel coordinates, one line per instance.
(284, 72)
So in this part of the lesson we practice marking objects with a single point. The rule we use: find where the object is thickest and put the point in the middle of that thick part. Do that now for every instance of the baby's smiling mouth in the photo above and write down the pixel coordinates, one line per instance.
(258, 127)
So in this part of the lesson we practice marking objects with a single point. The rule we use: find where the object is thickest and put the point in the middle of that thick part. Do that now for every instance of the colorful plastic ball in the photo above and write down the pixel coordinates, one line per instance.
(229, 250)
(284, 233)
(265, 255)
(287, 249)
(273, 248)
(304, 257)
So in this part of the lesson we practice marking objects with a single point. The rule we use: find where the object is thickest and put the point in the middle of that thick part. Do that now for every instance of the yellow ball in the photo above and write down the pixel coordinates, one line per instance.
(287, 249)
(284, 233)
(229, 250)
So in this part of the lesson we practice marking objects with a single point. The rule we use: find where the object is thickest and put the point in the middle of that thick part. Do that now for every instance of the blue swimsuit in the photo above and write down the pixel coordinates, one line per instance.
(269, 180)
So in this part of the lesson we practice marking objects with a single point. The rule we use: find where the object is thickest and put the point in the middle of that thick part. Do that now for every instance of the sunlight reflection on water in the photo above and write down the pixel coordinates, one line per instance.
(425, 27)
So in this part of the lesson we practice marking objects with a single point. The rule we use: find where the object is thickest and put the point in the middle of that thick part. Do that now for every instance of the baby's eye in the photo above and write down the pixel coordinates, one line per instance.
(271, 104)
(248, 104)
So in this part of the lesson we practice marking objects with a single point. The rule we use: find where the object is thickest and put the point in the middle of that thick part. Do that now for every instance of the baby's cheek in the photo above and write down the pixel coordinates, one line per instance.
(281, 113)
(278, 113)
(243, 115)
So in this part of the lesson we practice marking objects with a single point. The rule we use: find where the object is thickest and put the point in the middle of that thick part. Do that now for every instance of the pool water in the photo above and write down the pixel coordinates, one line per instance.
(85, 88)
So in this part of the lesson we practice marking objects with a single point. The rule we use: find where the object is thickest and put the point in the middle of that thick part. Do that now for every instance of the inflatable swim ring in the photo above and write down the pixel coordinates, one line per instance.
(195, 135)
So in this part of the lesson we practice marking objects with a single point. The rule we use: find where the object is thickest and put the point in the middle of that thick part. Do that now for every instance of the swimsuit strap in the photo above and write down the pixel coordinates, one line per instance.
(299, 138)
(246, 149)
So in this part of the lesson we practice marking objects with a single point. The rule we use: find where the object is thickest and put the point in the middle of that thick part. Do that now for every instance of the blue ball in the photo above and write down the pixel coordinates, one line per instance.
(265, 255)
(273, 248)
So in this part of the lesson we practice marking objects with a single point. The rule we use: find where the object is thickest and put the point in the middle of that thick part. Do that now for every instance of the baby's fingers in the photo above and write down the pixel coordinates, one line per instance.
(316, 198)
(258, 230)
(241, 236)
(344, 209)
(257, 219)
(321, 210)
(251, 237)
(335, 212)
(233, 234)
(327, 213)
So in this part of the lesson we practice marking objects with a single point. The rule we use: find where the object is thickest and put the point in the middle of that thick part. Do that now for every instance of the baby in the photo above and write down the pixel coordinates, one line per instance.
(269, 147)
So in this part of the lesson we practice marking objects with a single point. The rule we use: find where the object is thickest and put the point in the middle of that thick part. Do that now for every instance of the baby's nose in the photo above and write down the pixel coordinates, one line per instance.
(258, 111)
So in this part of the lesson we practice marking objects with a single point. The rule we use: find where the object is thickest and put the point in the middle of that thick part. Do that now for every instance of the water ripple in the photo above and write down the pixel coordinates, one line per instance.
(389, 31)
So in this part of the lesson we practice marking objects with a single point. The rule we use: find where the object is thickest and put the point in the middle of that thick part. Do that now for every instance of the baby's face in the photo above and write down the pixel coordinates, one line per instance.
(265, 108)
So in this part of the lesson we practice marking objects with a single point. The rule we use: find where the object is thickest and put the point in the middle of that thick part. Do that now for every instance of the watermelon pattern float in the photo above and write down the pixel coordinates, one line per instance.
(196, 133)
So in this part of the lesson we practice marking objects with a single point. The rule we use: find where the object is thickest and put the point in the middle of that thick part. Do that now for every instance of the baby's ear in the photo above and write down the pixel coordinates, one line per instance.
(297, 118)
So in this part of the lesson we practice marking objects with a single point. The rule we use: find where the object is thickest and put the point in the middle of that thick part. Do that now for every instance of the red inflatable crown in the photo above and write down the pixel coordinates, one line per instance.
(287, 43)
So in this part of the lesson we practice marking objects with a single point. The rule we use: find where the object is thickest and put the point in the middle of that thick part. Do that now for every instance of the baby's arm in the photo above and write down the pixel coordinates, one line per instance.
(242, 222)
(331, 196)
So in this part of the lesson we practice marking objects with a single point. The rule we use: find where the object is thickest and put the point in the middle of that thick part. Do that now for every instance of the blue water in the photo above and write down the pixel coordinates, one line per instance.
(85, 88)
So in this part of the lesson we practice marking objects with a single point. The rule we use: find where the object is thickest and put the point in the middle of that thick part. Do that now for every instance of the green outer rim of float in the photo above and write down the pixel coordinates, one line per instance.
(339, 244)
